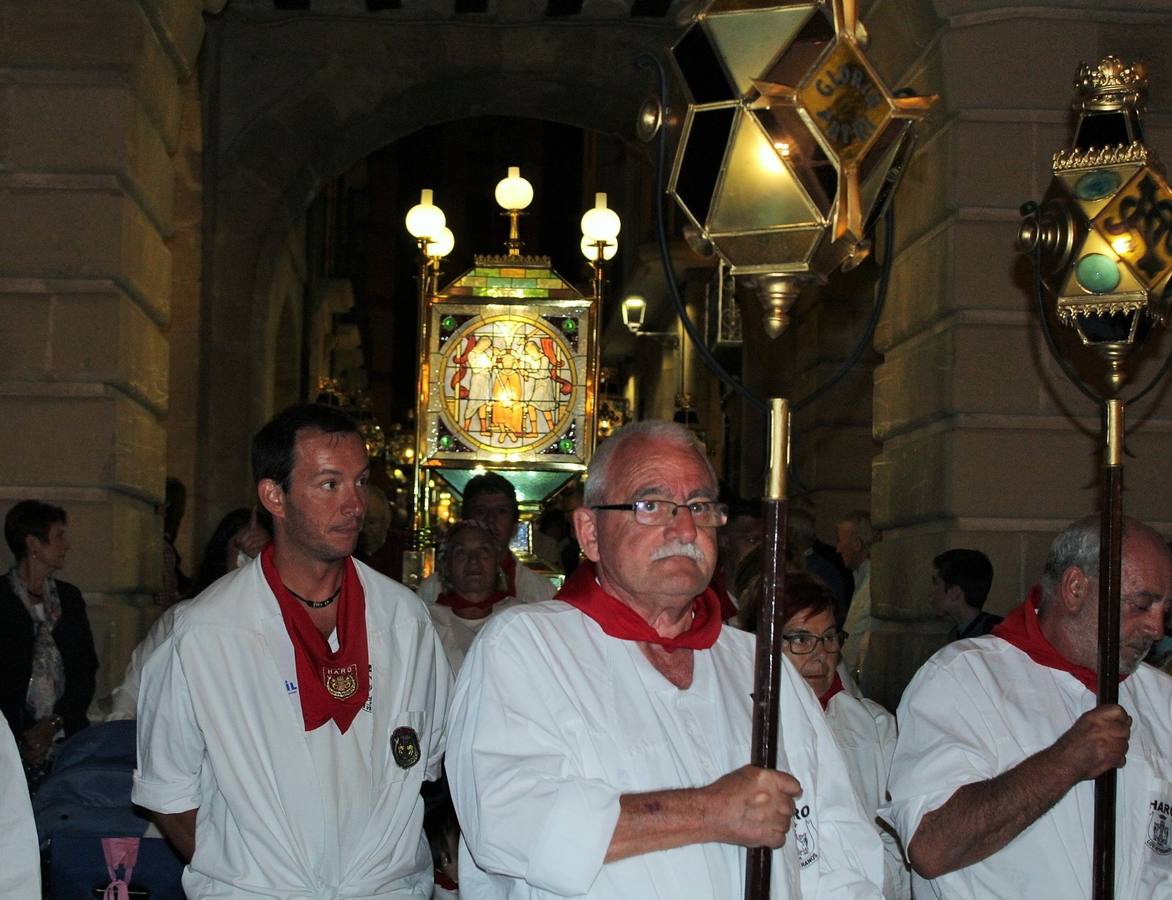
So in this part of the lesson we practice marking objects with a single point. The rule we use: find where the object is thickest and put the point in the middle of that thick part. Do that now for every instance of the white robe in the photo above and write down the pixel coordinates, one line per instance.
(457, 634)
(124, 700)
(552, 721)
(20, 860)
(981, 706)
(282, 812)
(866, 734)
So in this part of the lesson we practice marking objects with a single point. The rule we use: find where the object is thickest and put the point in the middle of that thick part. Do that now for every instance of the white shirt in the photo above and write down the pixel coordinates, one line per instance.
(866, 733)
(285, 813)
(124, 700)
(859, 622)
(20, 858)
(531, 587)
(981, 706)
(552, 721)
(456, 633)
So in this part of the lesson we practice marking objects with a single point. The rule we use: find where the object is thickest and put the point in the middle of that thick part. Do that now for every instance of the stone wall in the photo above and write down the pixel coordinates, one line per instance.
(90, 113)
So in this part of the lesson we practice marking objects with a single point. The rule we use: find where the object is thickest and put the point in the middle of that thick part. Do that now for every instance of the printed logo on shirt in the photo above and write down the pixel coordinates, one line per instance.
(806, 836)
(1160, 827)
(290, 686)
(369, 704)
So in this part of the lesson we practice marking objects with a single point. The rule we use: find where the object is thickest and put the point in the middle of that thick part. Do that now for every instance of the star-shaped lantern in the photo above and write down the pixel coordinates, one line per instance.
(1104, 228)
(791, 144)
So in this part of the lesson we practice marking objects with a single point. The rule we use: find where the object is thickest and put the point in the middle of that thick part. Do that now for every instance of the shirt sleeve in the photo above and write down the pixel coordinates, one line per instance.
(849, 862)
(525, 810)
(443, 696)
(170, 743)
(939, 749)
(20, 872)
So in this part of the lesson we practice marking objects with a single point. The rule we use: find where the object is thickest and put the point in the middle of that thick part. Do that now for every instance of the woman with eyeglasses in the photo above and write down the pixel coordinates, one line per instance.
(865, 731)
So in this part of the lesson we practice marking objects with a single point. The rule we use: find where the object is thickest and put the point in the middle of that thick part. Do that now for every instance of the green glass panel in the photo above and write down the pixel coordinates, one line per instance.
(747, 42)
(472, 281)
(1097, 185)
(758, 191)
(1097, 273)
(531, 486)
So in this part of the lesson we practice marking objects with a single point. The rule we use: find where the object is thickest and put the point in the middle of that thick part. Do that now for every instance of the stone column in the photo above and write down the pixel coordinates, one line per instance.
(89, 120)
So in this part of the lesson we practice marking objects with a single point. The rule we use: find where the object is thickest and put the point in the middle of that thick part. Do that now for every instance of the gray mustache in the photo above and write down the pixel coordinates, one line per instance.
(678, 548)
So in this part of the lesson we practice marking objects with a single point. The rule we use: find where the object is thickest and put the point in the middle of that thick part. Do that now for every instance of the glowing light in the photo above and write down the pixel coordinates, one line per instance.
(769, 160)
(782, 147)
(1123, 244)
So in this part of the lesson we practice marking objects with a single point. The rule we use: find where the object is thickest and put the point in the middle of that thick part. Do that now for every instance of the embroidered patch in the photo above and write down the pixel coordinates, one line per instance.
(341, 681)
(405, 747)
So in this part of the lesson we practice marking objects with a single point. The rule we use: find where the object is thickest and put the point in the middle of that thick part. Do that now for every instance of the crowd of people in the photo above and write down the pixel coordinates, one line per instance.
(308, 727)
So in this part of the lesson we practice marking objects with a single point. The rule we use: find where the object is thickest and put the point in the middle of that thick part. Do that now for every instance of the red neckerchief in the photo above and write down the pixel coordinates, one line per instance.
(509, 567)
(455, 601)
(583, 592)
(1021, 628)
(347, 671)
(835, 688)
(728, 609)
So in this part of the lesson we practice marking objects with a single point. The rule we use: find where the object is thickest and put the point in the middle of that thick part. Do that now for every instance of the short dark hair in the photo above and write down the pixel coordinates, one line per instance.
(489, 483)
(30, 518)
(803, 593)
(969, 570)
(272, 448)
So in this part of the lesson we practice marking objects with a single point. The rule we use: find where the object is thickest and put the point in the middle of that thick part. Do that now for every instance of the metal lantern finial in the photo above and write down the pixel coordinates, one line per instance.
(1104, 228)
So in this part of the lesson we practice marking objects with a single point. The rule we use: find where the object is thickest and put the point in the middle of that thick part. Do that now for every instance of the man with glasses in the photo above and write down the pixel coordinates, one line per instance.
(1001, 739)
(599, 743)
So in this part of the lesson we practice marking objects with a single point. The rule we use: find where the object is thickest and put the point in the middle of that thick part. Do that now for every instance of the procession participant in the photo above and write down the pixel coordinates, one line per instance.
(961, 579)
(864, 730)
(491, 499)
(1000, 739)
(600, 742)
(473, 587)
(287, 721)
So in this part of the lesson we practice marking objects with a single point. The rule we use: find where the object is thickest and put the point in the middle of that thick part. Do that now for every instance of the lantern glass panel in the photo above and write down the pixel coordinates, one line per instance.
(748, 41)
(703, 159)
(1113, 328)
(701, 67)
(792, 66)
(809, 162)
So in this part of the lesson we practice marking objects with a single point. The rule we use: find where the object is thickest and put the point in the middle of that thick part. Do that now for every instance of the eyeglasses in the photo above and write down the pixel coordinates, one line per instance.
(802, 642)
(704, 513)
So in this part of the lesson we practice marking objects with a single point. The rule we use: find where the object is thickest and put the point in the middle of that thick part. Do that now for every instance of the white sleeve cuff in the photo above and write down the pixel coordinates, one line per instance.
(574, 837)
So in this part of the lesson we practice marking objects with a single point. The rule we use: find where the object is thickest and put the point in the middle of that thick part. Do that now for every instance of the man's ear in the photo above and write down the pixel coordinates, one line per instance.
(1074, 589)
(955, 596)
(585, 528)
(271, 497)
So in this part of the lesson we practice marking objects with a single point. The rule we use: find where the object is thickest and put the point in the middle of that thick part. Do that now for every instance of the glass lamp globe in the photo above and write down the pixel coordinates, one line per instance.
(600, 223)
(513, 191)
(442, 243)
(590, 249)
(424, 219)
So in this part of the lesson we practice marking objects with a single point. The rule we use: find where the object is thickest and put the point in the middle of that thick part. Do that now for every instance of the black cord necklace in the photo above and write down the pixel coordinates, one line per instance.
(316, 604)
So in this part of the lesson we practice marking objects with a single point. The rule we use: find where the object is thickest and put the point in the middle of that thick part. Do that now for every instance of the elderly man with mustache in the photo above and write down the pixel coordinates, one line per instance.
(599, 742)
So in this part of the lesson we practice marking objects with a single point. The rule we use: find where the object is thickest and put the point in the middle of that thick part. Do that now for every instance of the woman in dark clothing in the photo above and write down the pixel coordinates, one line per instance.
(47, 658)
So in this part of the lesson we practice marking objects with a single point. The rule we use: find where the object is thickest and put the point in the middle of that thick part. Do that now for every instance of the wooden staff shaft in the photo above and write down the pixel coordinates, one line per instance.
(1110, 574)
(767, 677)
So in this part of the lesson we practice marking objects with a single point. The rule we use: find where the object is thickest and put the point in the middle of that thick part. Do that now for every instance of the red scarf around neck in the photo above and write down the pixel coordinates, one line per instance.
(583, 592)
(836, 687)
(456, 601)
(1022, 629)
(331, 685)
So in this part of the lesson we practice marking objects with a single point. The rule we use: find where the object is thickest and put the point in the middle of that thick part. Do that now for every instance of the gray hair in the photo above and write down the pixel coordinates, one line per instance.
(600, 475)
(1077, 545)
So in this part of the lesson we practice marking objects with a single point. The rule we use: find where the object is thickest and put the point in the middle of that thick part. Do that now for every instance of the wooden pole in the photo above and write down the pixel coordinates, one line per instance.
(767, 677)
(1110, 566)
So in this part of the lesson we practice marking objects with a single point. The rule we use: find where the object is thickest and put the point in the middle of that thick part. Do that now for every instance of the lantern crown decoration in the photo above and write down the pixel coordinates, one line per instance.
(791, 144)
(1103, 228)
